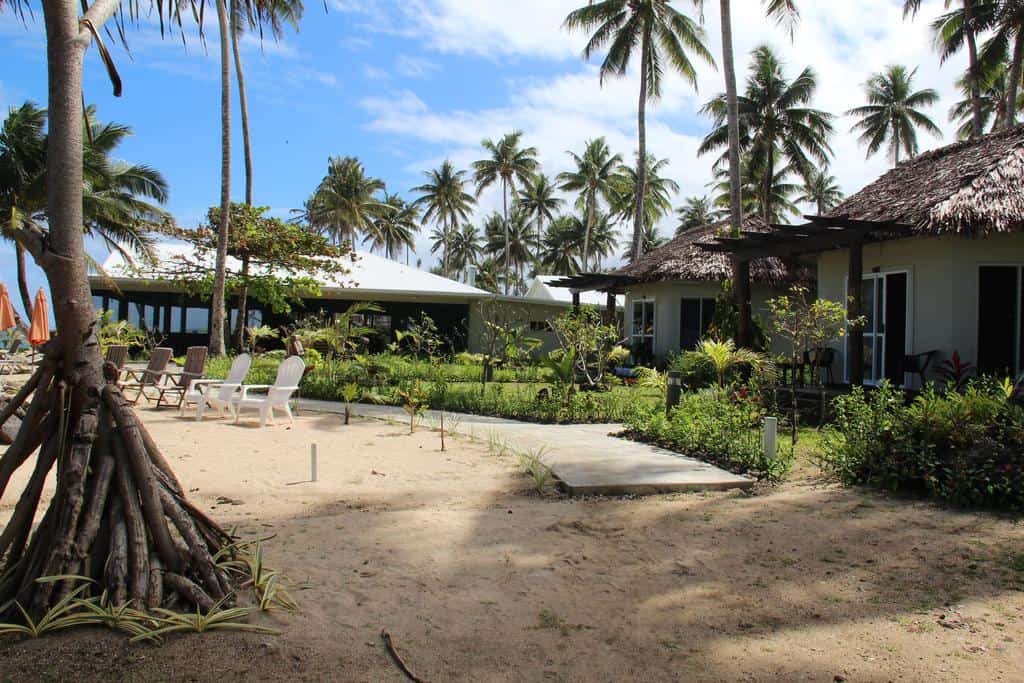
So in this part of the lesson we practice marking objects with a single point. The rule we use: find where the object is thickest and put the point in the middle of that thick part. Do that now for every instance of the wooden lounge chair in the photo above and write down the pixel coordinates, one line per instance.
(150, 377)
(10, 360)
(174, 385)
(217, 393)
(116, 354)
(289, 373)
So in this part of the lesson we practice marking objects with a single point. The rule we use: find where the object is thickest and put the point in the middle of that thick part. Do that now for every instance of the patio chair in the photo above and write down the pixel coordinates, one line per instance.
(175, 384)
(116, 354)
(217, 393)
(149, 377)
(917, 364)
(289, 373)
(11, 361)
(820, 359)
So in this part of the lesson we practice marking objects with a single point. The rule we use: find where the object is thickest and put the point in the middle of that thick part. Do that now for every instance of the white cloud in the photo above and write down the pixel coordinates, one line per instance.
(415, 67)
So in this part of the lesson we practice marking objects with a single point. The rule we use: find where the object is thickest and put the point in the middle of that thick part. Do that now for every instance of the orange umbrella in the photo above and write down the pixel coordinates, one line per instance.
(6, 310)
(40, 330)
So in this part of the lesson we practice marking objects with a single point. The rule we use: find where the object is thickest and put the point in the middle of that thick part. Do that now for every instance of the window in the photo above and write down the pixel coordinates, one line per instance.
(175, 319)
(197, 320)
(642, 337)
(99, 303)
(999, 319)
(695, 316)
(884, 305)
(539, 326)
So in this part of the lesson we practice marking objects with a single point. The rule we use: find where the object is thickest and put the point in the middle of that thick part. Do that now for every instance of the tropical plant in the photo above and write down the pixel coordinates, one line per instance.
(723, 357)
(584, 337)
(993, 103)
(254, 335)
(447, 203)
(822, 191)
(658, 194)
(1007, 25)
(345, 203)
(562, 244)
(779, 196)
(515, 246)
(595, 171)
(508, 164)
(697, 212)
(955, 372)
(415, 401)
(662, 34)
(349, 393)
(538, 201)
(893, 113)
(465, 247)
(117, 332)
(342, 334)
(394, 228)
(651, 241)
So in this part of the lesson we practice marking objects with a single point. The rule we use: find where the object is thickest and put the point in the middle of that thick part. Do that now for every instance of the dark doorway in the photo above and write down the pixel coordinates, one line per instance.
(895, 326)
(998, 296)
(695, 316)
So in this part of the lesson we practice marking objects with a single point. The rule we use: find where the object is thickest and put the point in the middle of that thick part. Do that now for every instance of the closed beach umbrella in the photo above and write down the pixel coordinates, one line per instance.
(40, 330)
(6, 310)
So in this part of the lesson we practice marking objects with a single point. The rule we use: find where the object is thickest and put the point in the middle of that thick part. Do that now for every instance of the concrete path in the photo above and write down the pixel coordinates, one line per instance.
(584, 457)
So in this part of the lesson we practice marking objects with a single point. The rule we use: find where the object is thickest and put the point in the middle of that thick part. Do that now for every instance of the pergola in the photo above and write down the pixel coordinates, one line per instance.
(609, 283)
(820, 233)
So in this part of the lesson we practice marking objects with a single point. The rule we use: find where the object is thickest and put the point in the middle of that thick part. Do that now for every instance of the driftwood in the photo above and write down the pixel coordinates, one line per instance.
(399, 662)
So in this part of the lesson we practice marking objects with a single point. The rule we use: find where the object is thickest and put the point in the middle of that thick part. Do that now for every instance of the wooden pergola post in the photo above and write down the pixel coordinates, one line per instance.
(741, 295)
(609, 308)
(854, 309)
(575, 300)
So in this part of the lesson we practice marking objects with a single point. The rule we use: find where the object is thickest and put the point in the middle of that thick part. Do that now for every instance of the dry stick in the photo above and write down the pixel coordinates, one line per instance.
(155, 586)
(138, 553)
(19, 527)
(202, 561)
(188, 590)
(386, 637)
(142, 473)
(29, 436)
(27, 388)
(71, 494)
(117, 562)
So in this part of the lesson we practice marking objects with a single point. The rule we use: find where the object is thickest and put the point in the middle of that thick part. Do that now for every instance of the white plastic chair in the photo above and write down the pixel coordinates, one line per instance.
(217, 393)
(287, 383)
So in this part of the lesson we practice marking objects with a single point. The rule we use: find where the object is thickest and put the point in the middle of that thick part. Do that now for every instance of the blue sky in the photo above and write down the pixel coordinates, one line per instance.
(405, 84)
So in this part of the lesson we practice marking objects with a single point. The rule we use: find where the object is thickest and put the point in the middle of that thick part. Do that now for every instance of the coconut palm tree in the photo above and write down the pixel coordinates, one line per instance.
(538, 199)
(777, 127)
(345, 203)
(516, 246)
(652, 240)
(593, 179)
(993, 103)
(775, 207)
(822, 190)
(696, 212)
(446, 202)
(893, 113)
(1007, 40)
(395, 228)
(657, 195)
(466, 245)
(662, 35)
(603, 239)
(508, 163)
(562, 244)
(952, 32)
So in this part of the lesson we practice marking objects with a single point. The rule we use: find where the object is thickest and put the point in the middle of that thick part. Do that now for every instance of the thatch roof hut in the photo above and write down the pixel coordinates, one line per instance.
(975, 187)
(682, 259)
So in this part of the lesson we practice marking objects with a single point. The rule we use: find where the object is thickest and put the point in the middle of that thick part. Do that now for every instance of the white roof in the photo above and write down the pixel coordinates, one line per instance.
(542, 289)
(368, 272)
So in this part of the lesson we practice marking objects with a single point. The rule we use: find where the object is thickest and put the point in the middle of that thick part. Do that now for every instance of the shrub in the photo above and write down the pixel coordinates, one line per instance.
(964, 448)
(712, 426)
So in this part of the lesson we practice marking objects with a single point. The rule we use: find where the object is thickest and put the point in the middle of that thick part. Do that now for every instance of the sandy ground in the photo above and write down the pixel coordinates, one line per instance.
(479, 579)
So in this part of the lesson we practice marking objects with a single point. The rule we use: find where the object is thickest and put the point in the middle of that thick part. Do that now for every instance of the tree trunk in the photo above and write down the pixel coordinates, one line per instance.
(243, 107)
(1015, 76)
(243, 307)
(86, 529)
(504, 209)
(641, 156)
(586, 234)
(217, 312)
(895, 143)
(26, 298)
(740, 272)
(972, 65)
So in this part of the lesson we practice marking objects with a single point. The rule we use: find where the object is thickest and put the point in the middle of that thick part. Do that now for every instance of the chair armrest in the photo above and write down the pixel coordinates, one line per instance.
(247, 387)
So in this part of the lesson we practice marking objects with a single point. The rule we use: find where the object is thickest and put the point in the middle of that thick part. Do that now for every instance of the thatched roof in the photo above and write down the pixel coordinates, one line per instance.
(974, 187)
(682, 259)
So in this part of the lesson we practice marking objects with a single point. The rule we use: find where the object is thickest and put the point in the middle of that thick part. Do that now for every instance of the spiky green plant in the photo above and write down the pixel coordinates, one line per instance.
(64, 614)
(217, 618)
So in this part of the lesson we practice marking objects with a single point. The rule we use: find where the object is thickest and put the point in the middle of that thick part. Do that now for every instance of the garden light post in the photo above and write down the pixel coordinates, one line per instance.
(675, 388)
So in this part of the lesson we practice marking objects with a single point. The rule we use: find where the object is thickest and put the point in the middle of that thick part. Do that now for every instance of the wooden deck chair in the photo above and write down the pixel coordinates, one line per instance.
(172, 389)
(278, 394)
(217, 393)
(141, 380)
(116, 354)
(11, 361)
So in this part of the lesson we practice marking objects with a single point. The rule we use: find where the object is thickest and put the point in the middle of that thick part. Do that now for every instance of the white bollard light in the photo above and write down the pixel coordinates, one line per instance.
(312, 462)
(771, 432)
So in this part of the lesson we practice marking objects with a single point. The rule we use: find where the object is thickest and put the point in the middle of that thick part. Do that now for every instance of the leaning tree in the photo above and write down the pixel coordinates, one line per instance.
(118, 515)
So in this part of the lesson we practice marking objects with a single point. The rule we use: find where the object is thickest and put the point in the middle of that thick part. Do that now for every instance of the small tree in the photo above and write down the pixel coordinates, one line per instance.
(415, 401)
(500, 327)
(583, 336)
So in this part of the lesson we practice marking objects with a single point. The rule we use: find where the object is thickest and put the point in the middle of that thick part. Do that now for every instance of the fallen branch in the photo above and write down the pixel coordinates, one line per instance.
(390, 646)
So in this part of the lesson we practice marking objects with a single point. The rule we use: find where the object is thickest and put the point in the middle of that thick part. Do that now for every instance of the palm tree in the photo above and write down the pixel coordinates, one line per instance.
(1007, 22)
(657, 196)
(508, 164)
(604, 239)
(510, 242)
(446, 202)
(822, 190)
(538, 199)
(465, 246)
(217, 312)
(784, 11)
(993, 103)
(562, 243)
(952, 32)
(662, 34)
(893, 112)
(774, 207)
(593, 179)
(652, 240)
(345, 203)
(395, 227)
(777, 127)
(697, 212)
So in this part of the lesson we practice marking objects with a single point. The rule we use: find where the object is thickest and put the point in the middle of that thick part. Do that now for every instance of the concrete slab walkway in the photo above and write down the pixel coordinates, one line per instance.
(584, 457)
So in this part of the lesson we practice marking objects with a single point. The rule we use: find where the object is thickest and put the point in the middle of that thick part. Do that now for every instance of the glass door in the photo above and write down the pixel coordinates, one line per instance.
(872, 294)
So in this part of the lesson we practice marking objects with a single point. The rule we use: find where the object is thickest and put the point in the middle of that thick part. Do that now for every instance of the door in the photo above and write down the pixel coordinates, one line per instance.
(884, 299)
(998, 314)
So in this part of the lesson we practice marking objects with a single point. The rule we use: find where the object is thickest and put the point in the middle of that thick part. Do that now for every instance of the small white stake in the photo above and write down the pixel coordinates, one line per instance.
(771, 430)
(312, 462)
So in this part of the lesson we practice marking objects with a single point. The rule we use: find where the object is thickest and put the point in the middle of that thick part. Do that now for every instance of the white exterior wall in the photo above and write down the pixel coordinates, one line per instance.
(943, 298)
(522, 311)
(667, 296)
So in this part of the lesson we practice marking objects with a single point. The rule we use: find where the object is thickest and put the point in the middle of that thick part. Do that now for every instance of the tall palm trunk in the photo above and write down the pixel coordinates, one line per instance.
(26, 298)
(740, 269)
(445, 256)
(972, 64)
(504, 209)
(1015, 76)
(895, 142)
(641, 157)
(586, 235)
(243, 106)
(217, 300)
